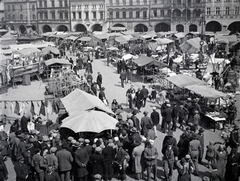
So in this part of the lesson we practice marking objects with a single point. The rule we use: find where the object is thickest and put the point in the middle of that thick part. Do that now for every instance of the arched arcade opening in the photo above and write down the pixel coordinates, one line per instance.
(193, 28)
(62, 28)
(46, 28)
(140, 28)
(97, 27)
(22, 29)
(213, 26)
(162, 27)
(119, 25)
(180, 28)
(80, 28)
(234, 27)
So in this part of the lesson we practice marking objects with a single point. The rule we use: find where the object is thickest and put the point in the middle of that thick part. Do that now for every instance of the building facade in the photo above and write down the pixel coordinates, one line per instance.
(187, 15)
(53, 15)
(222, 15)
(88, 15)
(131, 14)
(160, 17)
(18, 14)
(2, 15)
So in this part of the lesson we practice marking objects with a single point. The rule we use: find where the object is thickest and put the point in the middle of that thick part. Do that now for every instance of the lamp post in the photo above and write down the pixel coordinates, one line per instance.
(29, 26)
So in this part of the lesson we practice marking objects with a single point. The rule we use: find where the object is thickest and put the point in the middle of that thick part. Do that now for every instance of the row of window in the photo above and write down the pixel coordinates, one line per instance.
(223, 0)
(138, 14)
(62, 15)
(163, 13)
(78, 15)
(20, 8)
(86, 6)
(130, 2)
(13, 17)
(227, 11)
(61, 3)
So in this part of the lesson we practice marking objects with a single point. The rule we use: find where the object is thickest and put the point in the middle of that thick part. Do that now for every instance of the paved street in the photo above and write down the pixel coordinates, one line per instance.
(113, 90)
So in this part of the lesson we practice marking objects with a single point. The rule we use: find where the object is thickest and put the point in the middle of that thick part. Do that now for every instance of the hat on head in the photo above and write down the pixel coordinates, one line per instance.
(31, 140)
(134, 130)
(116, 138)
(168, 105)
(45, 138)
(97, 176)
(111, 144)
(110, 141)
(70, 138)
(81, 140)
(196, 112)
(87, 141)
(98, 149)
(53, 149)
(128, 116)
(77, 144)
(167, 101)
(119, 144)
(189, 99)
(73, 141)
(145, 112)
(205, 178)
(28, 146)
(187, 157)
(201, 130)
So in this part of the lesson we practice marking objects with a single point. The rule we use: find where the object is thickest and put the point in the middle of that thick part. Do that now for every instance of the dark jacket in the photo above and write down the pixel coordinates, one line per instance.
(99, 79)
(81, 159)
(24, 123)
(52, 176)
(22, 171)
(38, 163)
(97, 163)
(65, 160)
(155, 118)
(101, 95)
(108, 155)
(3, 170)
(167, 114)
(136, 122)
(144, 92)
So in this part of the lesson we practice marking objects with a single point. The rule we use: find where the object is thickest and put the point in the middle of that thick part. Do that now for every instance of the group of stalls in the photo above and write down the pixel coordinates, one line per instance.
(210, 100)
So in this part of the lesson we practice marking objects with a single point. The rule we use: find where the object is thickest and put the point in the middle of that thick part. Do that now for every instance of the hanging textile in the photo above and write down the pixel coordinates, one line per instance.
(42, 109)
(16, 110)
(49, 108)
(55, 107)
(32, 109)
(11, 107)
(22, 108)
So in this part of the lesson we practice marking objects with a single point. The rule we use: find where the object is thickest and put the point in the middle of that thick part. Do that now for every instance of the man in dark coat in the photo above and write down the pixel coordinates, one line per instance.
(123, 77)
(155, 119)
(65, 160)
(234, 140)
(102, 95)
(232, 167)
(81, 159)
(167, 114)
(108, 154)
(97, 162)
(21, 170)
(144, 93)
(136, 122)
(145, 121)
(99, 80)
(175, 111)
(38, 163)
(3, 170)
(24, 123)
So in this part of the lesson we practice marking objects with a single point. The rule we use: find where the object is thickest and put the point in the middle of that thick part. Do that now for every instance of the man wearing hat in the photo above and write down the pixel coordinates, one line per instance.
(108, 155)
(134, 137)
(65, 160)
(195, 150)
(175, 113)
(167, 116)
(97, 162)
(99, 80)
(51, 158)
(144, 92)
(146, 120)
(81, 159)
(121, 158)
(155, 118)
(97, 177)
(21, 170)
(196, 120)
(129, 121)
(234, 140)
(88, 147)
(150, 154)
(136, 122)
(200, 137)
(39, 165)
(130, 96)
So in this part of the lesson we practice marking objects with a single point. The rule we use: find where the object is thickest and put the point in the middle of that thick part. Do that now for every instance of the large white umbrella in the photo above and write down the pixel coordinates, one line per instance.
(89, 121)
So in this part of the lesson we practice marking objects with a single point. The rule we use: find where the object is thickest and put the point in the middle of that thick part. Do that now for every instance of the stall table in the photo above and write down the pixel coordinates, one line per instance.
(215, 119)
